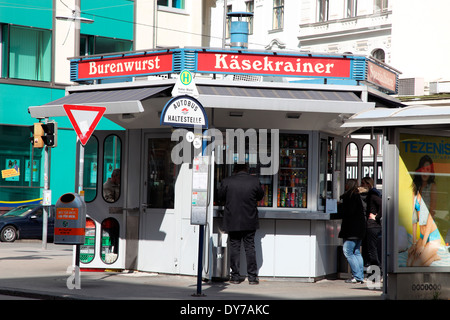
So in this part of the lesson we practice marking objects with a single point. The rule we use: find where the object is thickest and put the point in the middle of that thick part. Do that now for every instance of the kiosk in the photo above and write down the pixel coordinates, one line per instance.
(287, 108)
(416, 218)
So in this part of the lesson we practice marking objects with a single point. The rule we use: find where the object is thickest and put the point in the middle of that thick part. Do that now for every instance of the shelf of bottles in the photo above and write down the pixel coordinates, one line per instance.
(293, 173)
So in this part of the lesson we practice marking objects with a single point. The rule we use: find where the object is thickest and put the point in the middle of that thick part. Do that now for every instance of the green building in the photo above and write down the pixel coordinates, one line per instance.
(36, 38)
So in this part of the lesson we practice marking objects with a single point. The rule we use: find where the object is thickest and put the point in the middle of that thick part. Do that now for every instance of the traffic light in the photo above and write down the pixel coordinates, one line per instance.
(38, 132)
(51, 130)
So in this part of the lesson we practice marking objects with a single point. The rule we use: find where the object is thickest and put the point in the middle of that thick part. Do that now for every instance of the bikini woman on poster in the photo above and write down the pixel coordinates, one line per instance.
(423, 251)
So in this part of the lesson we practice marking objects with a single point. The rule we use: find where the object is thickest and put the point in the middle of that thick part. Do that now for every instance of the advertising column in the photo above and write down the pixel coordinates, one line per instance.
(423, 236)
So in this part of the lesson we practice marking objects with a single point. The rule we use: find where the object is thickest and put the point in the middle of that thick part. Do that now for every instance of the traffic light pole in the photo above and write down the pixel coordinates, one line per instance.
(46, 196)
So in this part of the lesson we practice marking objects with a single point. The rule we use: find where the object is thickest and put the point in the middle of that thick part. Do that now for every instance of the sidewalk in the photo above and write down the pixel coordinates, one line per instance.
(28, 270)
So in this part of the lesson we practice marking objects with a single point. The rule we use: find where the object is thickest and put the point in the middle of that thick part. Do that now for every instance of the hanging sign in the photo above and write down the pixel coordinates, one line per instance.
(185, 85)
(275, 65)
(125, 66)
(84, 119)
(184, 111)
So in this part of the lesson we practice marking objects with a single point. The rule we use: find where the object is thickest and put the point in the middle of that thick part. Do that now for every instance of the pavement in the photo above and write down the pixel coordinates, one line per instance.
(28, 270)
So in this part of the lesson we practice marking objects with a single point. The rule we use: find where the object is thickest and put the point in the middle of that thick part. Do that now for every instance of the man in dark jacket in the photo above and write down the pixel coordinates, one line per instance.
(241, 192)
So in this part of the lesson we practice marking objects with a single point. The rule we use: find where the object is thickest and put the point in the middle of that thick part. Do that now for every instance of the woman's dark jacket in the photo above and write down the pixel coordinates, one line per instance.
(353, 218)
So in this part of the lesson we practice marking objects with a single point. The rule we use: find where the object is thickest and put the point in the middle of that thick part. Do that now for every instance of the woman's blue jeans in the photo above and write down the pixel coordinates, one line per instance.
(352, 252)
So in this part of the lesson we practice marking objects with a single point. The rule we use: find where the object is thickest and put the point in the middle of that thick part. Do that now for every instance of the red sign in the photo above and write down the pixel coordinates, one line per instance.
(84, 119)
(280, 65)
(125, 66)
(381, 76)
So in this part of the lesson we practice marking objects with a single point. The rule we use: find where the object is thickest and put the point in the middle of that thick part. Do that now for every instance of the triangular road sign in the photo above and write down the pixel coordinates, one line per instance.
(84, 119)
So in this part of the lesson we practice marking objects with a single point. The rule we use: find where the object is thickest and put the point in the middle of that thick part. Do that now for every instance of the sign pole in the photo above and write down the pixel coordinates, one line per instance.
(46, 200)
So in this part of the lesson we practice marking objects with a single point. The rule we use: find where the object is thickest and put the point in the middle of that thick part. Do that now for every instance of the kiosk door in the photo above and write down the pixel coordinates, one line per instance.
(330, 168)
(103, 178)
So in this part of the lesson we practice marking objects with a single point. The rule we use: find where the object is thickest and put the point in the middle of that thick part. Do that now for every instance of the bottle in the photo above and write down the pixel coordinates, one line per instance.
(304, 200)
(266, 195)
(278, 198)
(282, 196)
(292, 198)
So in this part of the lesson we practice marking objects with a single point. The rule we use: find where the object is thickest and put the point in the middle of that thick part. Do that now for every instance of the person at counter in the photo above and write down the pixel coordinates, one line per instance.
(353, 229)
(241, 192)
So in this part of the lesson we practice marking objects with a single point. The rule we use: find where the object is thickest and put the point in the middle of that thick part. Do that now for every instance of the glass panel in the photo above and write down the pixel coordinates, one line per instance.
(87, 251)
(179, 4)
(112, 156)
(224, 164)
(90, 169)
(107, 45)
(17, 153)
(161, 173)
(368, 161)
(30, 54)
(278, 14)
(110, 240)
(351, 161)
(293, 173)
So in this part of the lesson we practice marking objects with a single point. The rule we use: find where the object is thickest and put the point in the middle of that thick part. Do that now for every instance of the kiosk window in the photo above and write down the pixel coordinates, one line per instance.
(112, 152)
(230, 153)
(110, 240)
(161, 173)
(293, 173)
(87, 251)
(90, 169)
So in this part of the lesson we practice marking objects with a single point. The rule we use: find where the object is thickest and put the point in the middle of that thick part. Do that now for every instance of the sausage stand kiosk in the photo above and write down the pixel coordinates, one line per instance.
(293, 104)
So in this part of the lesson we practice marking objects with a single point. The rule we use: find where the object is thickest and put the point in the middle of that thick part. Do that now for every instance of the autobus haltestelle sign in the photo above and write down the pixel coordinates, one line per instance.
(184, 111)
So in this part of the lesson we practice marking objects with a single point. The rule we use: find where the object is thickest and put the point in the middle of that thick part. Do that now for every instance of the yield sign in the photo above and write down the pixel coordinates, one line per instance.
(84, 119)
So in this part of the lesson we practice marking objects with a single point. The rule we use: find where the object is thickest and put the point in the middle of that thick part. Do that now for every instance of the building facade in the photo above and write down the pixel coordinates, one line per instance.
(36, 40)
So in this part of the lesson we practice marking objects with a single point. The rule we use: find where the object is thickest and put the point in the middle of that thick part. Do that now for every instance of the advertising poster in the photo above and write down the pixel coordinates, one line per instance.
(424, 201)
(13, 164)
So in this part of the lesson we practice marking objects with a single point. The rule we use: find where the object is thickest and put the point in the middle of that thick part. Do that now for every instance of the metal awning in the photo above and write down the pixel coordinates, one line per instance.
(407, 116)
(282, 97)
(117, 101)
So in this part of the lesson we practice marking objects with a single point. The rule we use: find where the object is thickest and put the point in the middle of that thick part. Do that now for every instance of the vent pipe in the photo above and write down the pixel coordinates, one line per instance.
(239, 29)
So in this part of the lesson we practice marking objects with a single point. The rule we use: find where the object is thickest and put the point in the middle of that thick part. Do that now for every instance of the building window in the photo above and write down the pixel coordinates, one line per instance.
(380, 6)
(379, 55)
(17, 153)
(322, 8)
(27, 53)
(278, 14)
(351, 8)
(177, 4)
(90, 45)
(250, 7)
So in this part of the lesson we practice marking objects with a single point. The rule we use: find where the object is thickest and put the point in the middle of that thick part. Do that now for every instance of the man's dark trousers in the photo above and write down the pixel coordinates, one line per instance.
(248, 239)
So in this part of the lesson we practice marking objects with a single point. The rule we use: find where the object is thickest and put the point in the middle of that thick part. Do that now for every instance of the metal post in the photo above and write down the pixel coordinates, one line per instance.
(200, 260)
(45, 210)
(201, 236)
(224, 31)
(81, 193)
